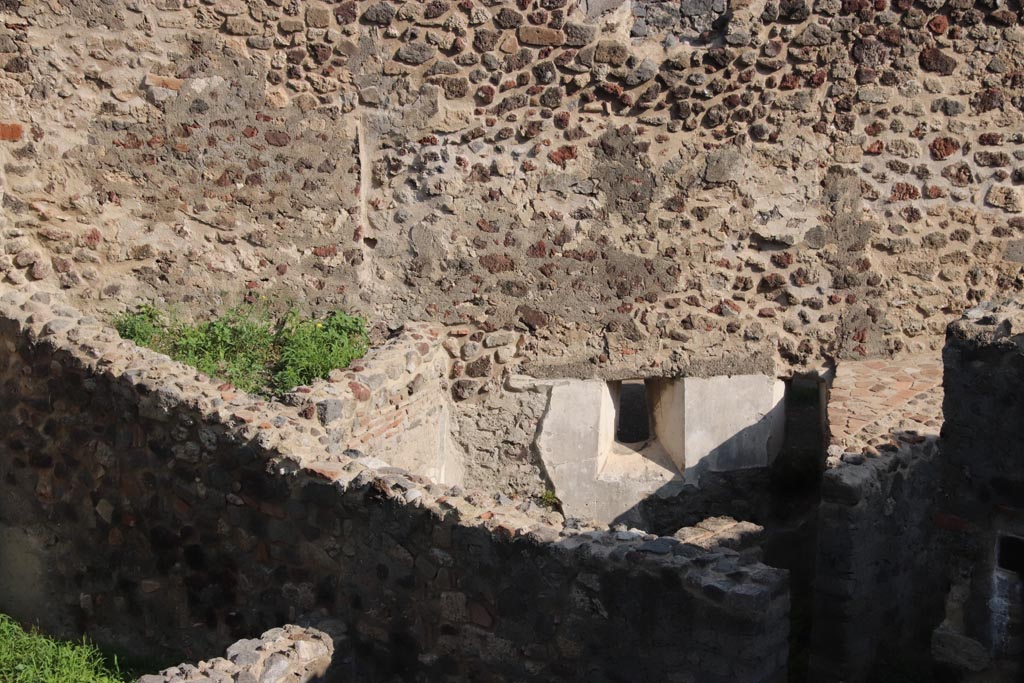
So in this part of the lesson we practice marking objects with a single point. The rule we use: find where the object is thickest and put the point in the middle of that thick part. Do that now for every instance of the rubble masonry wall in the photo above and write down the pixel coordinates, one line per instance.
(166, 514)
(878, 578)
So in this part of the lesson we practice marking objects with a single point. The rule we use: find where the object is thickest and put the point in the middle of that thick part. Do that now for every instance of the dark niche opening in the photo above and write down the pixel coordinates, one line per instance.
(1010, 555)
(633, 422)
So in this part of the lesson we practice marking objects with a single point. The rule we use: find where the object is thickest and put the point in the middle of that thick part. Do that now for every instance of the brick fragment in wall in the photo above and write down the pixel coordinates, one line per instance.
(10, 132)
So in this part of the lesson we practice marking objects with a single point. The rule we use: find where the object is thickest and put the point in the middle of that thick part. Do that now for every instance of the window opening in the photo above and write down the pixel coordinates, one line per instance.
(1011, 554)
(633, 423)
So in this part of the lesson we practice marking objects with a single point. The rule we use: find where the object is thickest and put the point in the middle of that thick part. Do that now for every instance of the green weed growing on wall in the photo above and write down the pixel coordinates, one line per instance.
(248, 348)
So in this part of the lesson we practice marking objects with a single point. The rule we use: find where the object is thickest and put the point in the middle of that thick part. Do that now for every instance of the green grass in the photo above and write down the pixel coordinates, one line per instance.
(238, 346)
(31, 657)
(141, 326)
(249, 349)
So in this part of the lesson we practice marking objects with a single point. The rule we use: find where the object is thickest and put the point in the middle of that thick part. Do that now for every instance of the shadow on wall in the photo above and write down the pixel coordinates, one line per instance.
(704, 491)
(875, 567)
(867, 574)
(783, 494)
(779, 501)
(693, 428)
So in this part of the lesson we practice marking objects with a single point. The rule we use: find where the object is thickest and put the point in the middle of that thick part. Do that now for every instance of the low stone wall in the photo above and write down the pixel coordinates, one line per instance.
(984, 432)
(908, 568)
(432, 400)
(879, 572)
(162, 512)
(290, 654)
(393, 404)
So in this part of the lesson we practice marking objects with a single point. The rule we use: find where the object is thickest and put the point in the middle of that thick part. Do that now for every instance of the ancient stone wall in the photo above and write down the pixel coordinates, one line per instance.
(912, 558)
(651, 188)
(394, 404)
(879, 575)
(983, 505)
(165, 512)
(982, 430)
(436, 400)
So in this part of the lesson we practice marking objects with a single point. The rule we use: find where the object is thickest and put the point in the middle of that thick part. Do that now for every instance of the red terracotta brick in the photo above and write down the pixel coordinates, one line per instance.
(360, 391)
(10, 132)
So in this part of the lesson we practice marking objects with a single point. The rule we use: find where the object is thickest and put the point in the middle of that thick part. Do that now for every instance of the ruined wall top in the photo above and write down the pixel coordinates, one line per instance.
(265, 506)
(996, 324)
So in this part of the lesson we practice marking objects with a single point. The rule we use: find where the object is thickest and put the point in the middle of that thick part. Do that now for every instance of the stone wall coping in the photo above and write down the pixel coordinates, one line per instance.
(296, 446)
(850, 476)
(993, 323)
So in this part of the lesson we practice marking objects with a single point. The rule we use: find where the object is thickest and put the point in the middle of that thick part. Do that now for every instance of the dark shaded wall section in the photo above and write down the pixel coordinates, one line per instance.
(983, 452)
(879, 575)
(908, 581)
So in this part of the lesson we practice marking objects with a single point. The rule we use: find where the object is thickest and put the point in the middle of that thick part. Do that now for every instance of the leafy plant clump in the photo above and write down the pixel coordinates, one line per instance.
(310, 349)
(238, 346)
(143, 326)
(246, 347)
(31, 657)
(550, 500)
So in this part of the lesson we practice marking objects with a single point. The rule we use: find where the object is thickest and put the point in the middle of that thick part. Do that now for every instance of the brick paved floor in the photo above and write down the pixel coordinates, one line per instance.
(875, 402)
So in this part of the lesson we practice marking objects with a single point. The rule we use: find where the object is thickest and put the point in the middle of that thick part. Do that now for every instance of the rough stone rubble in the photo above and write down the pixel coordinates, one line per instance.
(646, 187)
(289, 654)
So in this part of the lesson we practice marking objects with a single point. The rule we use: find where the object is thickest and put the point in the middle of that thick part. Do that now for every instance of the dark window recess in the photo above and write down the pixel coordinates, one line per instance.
(1011, 554)
(633, 422)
